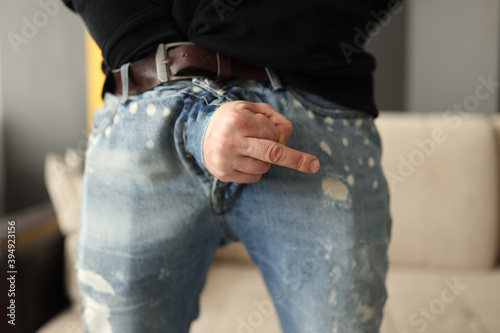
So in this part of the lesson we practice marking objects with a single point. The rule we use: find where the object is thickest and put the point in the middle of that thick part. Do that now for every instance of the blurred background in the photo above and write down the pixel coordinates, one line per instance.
(430, 57)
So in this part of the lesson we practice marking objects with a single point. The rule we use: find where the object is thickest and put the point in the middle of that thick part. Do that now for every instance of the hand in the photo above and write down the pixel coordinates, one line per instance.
(243, 139)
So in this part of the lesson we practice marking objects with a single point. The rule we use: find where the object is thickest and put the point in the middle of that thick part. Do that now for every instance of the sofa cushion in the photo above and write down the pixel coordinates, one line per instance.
(441, 300)
(63, 180)
(70, 258)
(233, 252)
(443, 175)
(235, 299)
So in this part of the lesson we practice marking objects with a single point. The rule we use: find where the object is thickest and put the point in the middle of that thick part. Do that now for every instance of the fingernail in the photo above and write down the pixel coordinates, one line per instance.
(281, 138)
(314, 166)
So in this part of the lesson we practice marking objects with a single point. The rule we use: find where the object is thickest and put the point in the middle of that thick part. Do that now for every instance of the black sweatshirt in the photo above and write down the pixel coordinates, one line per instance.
(314, 45)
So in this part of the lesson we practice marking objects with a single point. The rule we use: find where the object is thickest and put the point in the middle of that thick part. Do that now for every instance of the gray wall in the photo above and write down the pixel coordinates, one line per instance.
(432, 55)
(451, 43)
(389, 49)
(43, 92)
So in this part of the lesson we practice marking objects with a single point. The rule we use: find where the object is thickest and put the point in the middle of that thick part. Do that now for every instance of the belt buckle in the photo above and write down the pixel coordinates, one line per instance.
(162, 69)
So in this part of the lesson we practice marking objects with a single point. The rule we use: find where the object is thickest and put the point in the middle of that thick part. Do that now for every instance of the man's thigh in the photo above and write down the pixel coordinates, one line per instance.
(147, 235)
(321, 240)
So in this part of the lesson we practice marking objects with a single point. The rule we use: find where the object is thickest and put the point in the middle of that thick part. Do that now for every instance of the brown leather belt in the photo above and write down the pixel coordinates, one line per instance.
(180, 61)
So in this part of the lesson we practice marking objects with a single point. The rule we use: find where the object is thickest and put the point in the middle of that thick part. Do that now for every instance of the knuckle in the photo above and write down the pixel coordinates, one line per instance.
(261, 120)
(241, 104)
(226, 144)
(239, 120)
(275, 153)
(301, 163)
(231, 118)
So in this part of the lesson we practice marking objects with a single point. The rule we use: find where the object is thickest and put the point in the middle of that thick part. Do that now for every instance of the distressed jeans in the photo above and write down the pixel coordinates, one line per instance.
(152, 216)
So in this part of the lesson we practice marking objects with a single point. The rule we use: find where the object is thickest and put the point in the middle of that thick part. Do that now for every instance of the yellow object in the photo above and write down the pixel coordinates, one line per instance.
(94, 76)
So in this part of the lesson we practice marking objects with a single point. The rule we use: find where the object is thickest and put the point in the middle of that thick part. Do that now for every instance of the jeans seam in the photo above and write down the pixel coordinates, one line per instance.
(218, 205)
(325, 112)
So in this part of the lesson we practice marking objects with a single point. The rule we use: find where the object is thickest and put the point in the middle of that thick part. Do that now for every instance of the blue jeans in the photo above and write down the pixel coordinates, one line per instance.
(153, 217)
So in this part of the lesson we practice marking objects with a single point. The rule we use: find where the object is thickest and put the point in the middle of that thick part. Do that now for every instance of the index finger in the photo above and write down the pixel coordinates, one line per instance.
(279, 154)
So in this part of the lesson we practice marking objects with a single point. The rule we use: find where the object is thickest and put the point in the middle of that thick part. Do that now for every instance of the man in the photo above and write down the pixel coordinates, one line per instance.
(217, 117)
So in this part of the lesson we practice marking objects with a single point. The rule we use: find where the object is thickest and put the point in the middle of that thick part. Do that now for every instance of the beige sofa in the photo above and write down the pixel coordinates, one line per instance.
(443, 171)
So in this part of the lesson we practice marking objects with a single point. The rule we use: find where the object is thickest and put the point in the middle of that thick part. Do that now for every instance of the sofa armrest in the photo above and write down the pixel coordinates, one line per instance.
(39, 284)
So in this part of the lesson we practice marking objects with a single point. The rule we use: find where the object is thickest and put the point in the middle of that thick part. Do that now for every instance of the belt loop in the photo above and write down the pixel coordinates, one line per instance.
(218, 64)
(274, 79)
(124, 76)
(224, 66)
